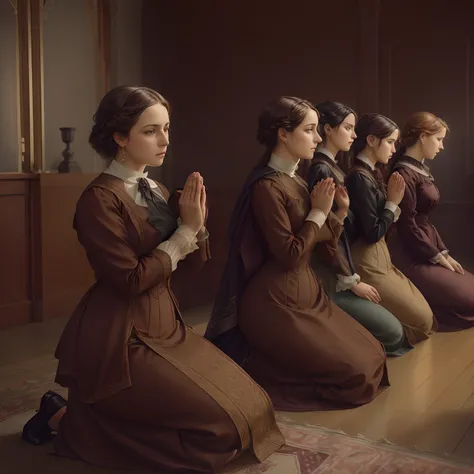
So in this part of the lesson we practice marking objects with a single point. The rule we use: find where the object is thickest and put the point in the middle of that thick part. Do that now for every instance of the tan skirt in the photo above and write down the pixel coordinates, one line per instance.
(399, 295)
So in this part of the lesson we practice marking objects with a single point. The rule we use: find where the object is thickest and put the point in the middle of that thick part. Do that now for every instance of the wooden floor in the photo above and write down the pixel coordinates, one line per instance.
(430, 404)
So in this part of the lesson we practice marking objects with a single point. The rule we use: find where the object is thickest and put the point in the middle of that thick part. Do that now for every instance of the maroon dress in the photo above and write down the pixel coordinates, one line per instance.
(416, 244)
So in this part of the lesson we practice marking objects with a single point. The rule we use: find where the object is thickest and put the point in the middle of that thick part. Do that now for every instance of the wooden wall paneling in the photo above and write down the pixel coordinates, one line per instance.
(36, 241)
(24, 61)
(37, 85)
(15, 252)
(44, 270)
(66, 274)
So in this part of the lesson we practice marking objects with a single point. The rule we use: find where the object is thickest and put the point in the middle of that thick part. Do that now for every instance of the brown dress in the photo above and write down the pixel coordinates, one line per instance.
(416, 242)
(145, 391)
(304, 350)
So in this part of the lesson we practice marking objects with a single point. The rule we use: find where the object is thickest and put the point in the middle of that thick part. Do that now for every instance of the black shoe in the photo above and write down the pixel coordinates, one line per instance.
(37, 430)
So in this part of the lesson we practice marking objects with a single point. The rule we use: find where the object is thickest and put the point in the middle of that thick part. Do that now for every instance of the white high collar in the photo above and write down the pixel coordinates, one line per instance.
(130, 178)
(284, 166)
(125, 173)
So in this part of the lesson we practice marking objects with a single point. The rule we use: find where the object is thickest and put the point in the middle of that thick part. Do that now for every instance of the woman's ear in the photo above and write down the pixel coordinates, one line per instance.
(282, 135)
(371, 141)
(120, 140)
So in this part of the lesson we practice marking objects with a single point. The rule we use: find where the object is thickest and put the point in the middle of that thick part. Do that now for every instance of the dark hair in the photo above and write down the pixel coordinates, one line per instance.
(332, 114)
(418, 123)
(118, 111)
(380, 127)
(284, 112)
(371, 124)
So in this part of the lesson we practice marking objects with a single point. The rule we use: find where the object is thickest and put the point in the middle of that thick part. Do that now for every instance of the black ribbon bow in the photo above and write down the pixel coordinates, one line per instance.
(160, 214)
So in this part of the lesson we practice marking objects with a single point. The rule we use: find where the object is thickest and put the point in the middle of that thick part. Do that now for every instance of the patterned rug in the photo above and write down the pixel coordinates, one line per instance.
(317, 450)
(309, 449)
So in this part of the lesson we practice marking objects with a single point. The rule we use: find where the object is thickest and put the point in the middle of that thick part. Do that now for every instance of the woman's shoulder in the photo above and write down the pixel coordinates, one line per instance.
(269, 182)
(105, 191)
(359, 176)
(410, 175)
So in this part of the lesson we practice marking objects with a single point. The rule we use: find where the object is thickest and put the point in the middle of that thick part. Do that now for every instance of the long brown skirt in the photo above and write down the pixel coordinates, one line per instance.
(399, 295)
(171, 419)
(306, 352)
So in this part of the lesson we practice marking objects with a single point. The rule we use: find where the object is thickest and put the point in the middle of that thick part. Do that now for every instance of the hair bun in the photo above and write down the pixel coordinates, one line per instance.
(267, 136)
(118, 111)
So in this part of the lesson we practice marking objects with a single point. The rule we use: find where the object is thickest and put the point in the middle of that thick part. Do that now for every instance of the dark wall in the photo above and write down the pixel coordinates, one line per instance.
(427, 63)
(219, 62)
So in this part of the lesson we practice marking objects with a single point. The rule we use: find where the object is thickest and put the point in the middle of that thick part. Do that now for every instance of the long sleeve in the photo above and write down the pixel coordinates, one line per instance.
(439, 242)
(268, 206)
(413, 236)
(184, 246)
(372, 224)
(316, 173)
(335, 224)
(101, 231)
(195, 260)
(350, 224)
(179, 245)
(333, 255)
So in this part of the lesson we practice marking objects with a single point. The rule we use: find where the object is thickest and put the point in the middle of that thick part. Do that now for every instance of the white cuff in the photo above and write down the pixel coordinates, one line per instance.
(336, 218)
(437, 257)
(180, 244)
(391, 206)
(187, 233)
(345, 282)
(202, 235)
(317, 216)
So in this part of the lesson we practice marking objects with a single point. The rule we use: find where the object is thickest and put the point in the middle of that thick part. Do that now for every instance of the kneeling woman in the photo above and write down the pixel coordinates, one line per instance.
(337, 273)
(271, 314)
(375, 208)
(145, 391)
(417, 247)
